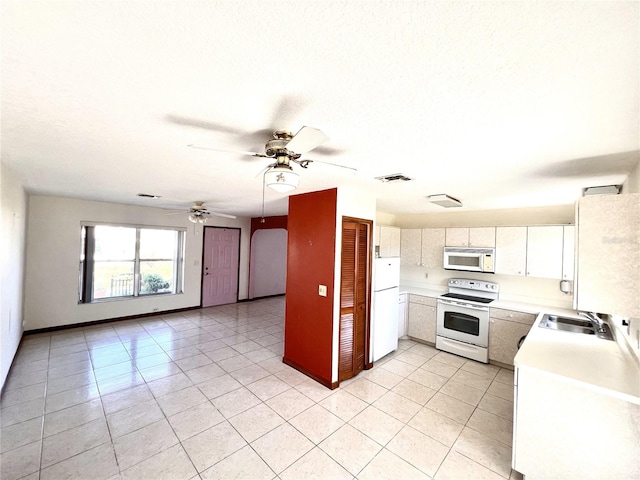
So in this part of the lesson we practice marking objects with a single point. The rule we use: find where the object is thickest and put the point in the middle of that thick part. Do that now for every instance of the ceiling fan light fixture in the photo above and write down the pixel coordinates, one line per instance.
(193, 218)
(444, 200)
(281, 178)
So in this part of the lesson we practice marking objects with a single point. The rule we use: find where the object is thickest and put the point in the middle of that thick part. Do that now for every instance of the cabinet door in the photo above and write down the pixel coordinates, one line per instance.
(410, 246)
(568, 252)
(511, 250)
(482, 237)
(503, 339)
(609, 254)
(433, 240)
(385, 241)
(376, 236)
(422, 322)
(394, 248)
(457, 237)
(544, 251)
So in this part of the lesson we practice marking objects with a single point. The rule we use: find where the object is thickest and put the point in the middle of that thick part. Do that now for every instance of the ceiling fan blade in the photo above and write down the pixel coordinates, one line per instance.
(181, 212)
(287, 110)
(238, 152)
(306, 139)
(203, 124)
(302, 162)
(325, 150)
(218, 214)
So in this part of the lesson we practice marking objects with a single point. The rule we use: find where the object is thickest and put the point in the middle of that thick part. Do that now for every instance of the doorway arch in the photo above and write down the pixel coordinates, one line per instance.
(268, 267)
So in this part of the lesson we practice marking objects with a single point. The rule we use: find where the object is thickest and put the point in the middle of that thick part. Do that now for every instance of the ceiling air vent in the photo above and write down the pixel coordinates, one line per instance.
(394, 177)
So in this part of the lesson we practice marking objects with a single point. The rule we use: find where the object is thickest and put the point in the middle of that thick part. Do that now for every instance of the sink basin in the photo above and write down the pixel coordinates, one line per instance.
(574, 325)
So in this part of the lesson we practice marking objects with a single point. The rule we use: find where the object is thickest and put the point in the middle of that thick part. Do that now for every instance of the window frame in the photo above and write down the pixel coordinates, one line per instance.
(87, 262)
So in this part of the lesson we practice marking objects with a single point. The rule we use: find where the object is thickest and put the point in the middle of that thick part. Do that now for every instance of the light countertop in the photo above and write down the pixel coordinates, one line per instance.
(602, 365)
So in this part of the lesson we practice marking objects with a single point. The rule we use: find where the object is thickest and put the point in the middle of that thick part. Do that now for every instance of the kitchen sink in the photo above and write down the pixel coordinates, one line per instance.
(575, 325)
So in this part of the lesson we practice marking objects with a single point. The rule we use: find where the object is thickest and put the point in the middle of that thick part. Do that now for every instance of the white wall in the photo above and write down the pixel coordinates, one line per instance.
(268, 262)
(556, 215)
(535, 291)
(632, 183)
(53, 251)
(13, 204)
(355, 204)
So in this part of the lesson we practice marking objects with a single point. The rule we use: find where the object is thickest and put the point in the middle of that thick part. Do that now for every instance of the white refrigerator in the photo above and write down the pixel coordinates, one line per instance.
(384, 330)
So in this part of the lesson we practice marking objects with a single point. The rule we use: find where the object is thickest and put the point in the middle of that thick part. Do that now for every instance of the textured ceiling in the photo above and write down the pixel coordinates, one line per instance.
(500, 104)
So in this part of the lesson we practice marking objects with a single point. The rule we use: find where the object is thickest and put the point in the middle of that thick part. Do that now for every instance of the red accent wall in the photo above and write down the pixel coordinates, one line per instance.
(308, 331)
(279, 221)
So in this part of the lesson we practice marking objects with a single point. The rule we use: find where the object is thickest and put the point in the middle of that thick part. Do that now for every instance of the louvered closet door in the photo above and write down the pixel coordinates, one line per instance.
(353, 299)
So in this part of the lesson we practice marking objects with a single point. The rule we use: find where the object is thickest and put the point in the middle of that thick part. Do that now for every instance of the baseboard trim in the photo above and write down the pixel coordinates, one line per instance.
(262, 298)
(107, 320)
(323, 381)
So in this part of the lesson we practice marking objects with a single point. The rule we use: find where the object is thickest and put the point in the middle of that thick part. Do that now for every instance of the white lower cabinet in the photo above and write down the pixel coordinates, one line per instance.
(563, 429)
(506, 328)
(422, 318)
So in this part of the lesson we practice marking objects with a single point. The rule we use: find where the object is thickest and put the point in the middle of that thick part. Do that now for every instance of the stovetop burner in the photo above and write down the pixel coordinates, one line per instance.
(467, 297)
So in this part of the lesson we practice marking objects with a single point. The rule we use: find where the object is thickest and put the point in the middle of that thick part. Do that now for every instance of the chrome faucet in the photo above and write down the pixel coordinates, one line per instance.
(595, 319)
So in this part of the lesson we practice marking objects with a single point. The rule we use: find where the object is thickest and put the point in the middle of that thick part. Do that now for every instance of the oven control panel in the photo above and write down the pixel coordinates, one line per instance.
(477, 285)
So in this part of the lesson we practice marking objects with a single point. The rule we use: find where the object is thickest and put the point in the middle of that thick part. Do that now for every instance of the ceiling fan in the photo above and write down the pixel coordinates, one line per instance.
(198, 213)
(286, 149)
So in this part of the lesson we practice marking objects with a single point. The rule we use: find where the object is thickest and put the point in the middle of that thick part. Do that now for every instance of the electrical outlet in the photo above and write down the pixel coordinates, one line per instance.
(322, 290)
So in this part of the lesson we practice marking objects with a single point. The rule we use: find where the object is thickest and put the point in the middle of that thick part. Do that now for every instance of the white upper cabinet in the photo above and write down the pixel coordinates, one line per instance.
(387, 239)
(568, 252)
(511, 250)
(394, 250)
(457, 237)
(411, 247)
(482, 237)
(422, 247)
(433, 241)
(471, 237)
(609, 254)
(544, 251)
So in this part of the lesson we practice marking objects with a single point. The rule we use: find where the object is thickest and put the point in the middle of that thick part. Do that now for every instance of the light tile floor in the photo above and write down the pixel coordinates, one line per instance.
(204, 394)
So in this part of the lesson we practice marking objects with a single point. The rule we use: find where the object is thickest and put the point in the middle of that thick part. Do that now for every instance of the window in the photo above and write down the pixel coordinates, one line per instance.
(120, 261)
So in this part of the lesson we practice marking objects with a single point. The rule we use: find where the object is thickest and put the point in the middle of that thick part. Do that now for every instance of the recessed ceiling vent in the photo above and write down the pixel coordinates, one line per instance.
(394, 177)
(148, 195)
(445, 200)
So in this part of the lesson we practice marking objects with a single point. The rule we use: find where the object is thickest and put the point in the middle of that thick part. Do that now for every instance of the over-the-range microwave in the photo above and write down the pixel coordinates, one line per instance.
(470, 259)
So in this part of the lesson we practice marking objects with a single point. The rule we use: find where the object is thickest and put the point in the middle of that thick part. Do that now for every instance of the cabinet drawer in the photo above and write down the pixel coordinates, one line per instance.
(513, 316)
(422, 300)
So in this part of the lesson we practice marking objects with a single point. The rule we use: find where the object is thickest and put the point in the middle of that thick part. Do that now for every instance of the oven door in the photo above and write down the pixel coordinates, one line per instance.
(463, 322)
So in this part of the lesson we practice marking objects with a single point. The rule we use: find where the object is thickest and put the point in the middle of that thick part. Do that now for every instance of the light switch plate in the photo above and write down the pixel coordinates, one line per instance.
(322, 290)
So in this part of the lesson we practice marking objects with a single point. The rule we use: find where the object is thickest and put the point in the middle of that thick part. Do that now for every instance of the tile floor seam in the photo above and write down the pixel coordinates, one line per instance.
(478, 463)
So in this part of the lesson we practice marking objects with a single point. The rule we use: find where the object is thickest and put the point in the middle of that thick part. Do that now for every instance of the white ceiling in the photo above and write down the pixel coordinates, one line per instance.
(500, 104)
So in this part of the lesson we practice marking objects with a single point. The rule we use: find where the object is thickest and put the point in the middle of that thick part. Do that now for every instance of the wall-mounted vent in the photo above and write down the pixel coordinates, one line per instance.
(394, 177)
